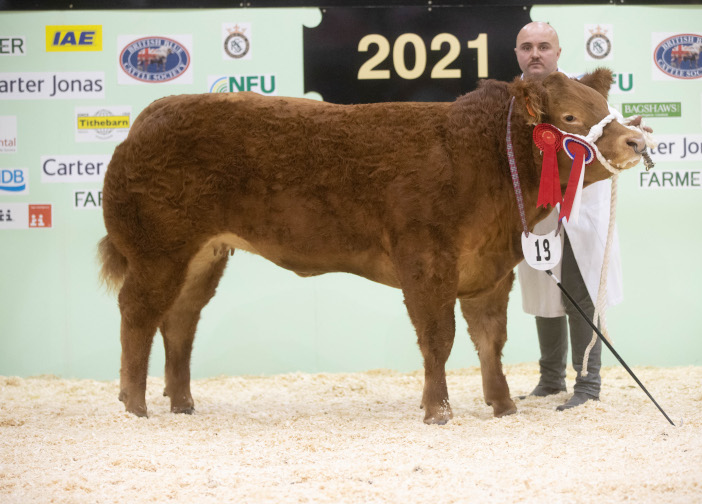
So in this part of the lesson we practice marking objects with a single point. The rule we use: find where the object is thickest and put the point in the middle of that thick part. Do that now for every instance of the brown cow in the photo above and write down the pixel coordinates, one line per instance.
(417, 196)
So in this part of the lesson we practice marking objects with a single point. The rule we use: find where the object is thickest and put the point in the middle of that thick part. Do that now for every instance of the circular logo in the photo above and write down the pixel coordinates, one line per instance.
(679, 56)
(598, 46)
(236, 45)
(154, 59)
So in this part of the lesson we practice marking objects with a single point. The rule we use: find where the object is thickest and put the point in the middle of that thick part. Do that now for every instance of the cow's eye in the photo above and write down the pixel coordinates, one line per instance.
(569, 118)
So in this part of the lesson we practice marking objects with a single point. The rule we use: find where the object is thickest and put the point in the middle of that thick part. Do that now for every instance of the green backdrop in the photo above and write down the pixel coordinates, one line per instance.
(55, 318)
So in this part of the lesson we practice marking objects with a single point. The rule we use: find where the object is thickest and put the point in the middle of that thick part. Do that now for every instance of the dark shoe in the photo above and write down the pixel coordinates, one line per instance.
(577, 399)
(543, 391)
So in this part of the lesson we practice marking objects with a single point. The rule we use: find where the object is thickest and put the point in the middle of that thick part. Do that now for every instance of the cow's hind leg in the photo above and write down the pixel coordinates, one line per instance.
(487, 325)
(149, 289)
(179, 325)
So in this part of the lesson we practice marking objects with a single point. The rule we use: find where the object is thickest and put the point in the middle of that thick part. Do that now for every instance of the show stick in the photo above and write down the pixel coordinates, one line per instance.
(607, 343)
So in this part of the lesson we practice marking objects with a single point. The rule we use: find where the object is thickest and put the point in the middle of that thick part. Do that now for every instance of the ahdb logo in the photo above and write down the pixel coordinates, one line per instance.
(261, 84)
(14, 181)
(60, 38)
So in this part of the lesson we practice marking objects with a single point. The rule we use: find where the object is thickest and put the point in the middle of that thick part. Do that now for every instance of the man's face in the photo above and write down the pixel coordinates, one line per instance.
(537, 50)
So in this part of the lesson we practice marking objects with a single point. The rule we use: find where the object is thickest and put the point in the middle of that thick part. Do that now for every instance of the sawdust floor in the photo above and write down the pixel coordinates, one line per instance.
(351, 438)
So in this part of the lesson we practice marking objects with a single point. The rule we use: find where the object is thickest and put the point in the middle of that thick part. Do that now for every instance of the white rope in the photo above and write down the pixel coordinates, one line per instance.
(601, 304)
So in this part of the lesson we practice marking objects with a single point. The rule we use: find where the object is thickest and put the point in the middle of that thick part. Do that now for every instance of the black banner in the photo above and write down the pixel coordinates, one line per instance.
(409, 53)
(73, 5)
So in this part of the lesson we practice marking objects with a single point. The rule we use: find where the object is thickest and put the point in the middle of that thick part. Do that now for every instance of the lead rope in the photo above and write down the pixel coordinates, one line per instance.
(601, 304)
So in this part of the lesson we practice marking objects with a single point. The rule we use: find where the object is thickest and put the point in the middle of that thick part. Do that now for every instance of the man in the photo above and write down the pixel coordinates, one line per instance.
(537, 52)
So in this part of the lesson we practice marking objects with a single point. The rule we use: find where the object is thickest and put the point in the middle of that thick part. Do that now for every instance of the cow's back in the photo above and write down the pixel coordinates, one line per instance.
(292, 177)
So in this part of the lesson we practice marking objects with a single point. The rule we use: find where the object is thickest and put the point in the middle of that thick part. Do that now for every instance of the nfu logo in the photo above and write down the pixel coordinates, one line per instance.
(261, 84)
(623, 83)
(13, 181)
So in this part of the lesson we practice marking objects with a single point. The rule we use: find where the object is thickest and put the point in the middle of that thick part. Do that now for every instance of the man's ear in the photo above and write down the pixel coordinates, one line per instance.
(600, 80)
(530, 99)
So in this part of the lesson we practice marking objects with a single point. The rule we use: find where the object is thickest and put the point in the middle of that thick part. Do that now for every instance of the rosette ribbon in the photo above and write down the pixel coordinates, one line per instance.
(548, 139)
(582, 153)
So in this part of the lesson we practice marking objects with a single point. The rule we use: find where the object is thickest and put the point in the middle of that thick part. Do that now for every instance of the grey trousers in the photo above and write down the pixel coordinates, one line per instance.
(553, 334)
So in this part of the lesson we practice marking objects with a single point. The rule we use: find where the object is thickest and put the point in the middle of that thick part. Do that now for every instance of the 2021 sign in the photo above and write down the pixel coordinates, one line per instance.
(440, 69)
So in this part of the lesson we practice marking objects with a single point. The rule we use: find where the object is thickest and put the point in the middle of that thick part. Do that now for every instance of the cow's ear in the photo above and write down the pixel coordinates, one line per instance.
(531, 98)
(600, 80)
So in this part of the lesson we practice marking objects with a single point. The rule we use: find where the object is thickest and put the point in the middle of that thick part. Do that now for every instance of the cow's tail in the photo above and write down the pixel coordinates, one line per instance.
(114, 265)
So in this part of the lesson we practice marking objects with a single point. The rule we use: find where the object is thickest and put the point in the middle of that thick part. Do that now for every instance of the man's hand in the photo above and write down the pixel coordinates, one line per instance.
(636, 121)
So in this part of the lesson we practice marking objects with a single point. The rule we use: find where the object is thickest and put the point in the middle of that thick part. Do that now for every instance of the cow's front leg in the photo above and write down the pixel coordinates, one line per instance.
(487, 325)
(435, 341)
(429, 286)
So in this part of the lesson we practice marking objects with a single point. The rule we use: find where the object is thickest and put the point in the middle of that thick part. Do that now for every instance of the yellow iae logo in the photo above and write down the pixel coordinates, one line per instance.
(73, 38)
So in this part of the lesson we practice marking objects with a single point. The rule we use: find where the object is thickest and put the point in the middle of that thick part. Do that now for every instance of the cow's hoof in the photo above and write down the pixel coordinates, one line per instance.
(503, 408)
(436, 421)
(182, 403)
(439, 416)
(139, 411)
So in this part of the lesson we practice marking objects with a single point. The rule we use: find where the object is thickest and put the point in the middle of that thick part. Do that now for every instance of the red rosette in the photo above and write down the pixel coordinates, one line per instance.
(548, 138)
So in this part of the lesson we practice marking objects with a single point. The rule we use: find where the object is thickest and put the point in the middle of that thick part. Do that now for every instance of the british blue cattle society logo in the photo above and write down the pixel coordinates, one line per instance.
(679, 56)
(154, 59)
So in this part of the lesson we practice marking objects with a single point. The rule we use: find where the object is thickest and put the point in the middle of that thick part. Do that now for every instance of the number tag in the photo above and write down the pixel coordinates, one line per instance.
(542, 252)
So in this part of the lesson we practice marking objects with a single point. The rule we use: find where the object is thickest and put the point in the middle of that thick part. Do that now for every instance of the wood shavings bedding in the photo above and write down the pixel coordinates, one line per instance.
(330, 438)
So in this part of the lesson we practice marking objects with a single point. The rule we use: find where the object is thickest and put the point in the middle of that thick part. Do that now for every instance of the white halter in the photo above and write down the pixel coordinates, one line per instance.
(596, 132)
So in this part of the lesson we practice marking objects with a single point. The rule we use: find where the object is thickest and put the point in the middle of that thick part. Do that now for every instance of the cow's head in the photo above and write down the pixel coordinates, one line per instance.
(575, 106)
